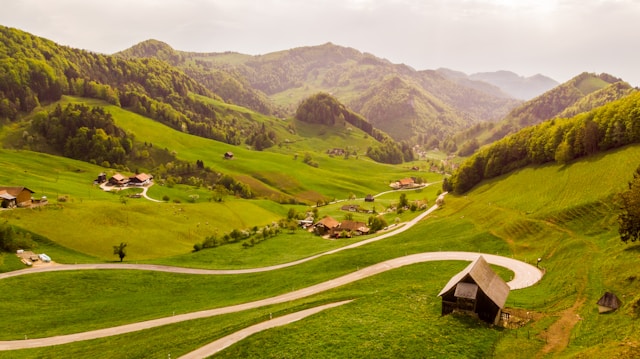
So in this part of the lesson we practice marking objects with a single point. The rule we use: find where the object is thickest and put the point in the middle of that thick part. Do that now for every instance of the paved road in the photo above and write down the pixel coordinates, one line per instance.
(160, 268)
(524, 275)
(222, 343)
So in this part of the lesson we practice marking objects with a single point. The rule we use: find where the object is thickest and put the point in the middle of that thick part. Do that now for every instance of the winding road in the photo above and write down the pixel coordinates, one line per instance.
(524, 275)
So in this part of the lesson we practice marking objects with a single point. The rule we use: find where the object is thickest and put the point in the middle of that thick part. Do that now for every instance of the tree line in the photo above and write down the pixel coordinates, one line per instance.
(561, 140)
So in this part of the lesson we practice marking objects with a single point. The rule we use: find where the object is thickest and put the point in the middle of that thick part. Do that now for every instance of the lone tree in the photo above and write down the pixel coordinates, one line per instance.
(629, 218)
(120, 250)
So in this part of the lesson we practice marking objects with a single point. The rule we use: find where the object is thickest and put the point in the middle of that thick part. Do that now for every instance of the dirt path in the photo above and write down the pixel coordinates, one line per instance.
(559, 333)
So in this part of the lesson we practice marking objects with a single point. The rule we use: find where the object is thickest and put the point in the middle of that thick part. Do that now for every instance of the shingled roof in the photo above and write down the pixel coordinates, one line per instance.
(485, 278)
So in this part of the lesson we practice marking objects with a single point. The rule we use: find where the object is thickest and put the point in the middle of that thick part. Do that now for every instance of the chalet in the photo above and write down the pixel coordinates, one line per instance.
(118, 180)
(350, 208)
(141, 179)
(15, 197)
(403, 183)
(477, 290)
(351, 228)
(326, 225)
(228, 155)
(608, 303)
(369, 198)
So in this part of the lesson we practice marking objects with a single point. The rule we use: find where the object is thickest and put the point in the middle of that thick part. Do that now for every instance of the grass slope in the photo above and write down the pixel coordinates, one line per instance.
(396, 314)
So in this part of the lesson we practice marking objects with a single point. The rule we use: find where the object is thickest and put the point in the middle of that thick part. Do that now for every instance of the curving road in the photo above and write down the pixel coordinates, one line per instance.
(524, 275)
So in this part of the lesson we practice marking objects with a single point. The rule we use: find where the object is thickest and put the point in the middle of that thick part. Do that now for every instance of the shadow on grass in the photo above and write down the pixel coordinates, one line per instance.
(633, 248)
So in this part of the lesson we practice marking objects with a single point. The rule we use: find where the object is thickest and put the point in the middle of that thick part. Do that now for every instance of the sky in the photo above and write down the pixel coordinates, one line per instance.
(556, 38)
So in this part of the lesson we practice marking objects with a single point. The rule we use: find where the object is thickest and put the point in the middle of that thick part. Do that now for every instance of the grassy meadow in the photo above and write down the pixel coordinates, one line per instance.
(565, 215)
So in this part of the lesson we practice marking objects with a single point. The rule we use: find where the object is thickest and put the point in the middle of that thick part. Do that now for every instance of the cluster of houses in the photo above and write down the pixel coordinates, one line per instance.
(328, 226)
(118, 180)
(12, 197)
(405, 183)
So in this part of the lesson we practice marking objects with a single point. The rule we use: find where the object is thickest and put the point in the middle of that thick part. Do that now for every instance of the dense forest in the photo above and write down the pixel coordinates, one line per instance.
(562, 140)
(36, 71)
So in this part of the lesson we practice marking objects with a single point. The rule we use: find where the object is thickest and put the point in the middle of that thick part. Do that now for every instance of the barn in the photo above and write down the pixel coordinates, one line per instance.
(15, 197)
(477, 290)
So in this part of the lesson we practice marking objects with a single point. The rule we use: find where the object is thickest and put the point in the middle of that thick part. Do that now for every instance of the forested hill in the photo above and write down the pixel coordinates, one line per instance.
(580, 94)
(429, 100)
(223, 81)
(37, 71)
(610, 126)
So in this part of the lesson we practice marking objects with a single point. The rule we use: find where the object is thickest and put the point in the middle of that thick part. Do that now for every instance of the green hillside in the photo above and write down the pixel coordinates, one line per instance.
(570, 224)
(287, 77)
(580, 94)
(561, 140)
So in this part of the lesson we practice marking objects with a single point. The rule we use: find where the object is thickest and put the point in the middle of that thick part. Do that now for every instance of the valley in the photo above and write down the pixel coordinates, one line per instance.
(244, 150)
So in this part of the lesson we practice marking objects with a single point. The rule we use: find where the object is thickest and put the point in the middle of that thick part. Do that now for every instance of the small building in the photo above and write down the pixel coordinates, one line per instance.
(228, 155)
(15, 197)
(351, 208)
(141, 179)
(477, 290)
(326, 225)
(351, 228)
(102, 178)
(118, 180)
(369, 198)
(608, 303)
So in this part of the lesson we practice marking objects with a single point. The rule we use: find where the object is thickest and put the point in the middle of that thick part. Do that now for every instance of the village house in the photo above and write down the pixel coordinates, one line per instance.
(325, 225)
(477, 290)
(118, 180)
(141, 179)
(349, 229)
(11, 197)
(403, 183)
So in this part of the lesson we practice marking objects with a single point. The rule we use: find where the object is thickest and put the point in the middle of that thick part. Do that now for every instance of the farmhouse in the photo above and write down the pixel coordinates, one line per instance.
(326, 225)
(608, 303)
(11, 197)
(403, 183)
(141, 179)
(477, 290)
(350, 228)
(350, 208)
(118, 180)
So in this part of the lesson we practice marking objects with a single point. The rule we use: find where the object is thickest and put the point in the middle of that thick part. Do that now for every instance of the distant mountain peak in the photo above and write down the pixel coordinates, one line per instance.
(520, 87)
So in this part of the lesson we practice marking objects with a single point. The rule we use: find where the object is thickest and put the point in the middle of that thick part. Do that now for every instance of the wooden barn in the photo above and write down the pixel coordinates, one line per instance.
(326, 225)
(15, 197)
(477, 290)
(608, 303)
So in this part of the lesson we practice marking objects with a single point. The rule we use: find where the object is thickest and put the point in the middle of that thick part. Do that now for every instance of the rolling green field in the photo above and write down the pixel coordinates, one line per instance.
(565, 215)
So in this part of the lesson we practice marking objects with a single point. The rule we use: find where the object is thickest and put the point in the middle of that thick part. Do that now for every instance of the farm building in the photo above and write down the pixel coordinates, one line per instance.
(369, 198)
(477, 290)
(15, 197)
(141, 179)
(608, 303)
(351, 228)
(118, 180)
(228, 155)
(326, 225)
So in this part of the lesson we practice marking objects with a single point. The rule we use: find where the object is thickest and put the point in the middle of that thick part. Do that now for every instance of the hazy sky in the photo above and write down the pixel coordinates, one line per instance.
(558, 38)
